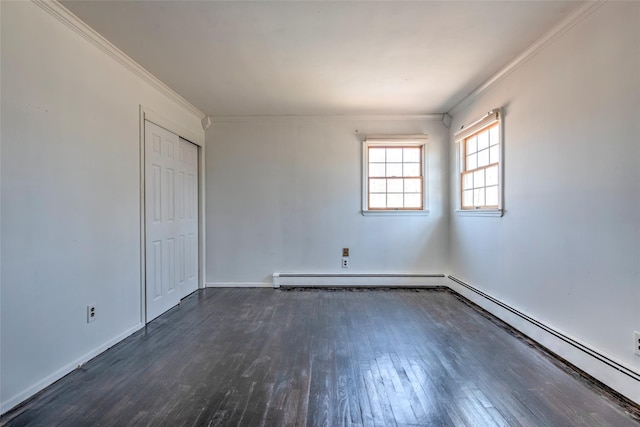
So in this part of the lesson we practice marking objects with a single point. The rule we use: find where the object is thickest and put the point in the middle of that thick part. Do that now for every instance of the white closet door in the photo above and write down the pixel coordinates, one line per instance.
(188, 217)
(171, 189)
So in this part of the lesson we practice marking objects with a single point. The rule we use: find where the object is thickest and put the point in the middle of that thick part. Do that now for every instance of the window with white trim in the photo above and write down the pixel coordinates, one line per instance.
(480, 165)
(394, 178)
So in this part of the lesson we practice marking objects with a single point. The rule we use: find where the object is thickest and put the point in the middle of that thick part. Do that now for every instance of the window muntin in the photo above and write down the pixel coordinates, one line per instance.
(480, 183)
(394, 174)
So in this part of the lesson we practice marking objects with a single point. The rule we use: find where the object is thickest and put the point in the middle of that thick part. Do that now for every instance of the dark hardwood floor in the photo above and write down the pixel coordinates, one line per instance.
(264, 357)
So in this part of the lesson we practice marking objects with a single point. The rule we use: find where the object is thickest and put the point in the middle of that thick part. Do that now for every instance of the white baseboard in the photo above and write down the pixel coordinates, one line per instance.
(55, 376)
(595, 362)
(384, 280)
(238, 284)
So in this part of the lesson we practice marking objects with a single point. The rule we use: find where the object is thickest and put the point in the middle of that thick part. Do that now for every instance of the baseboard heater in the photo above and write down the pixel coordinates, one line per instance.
(389, 280)
(591, 352)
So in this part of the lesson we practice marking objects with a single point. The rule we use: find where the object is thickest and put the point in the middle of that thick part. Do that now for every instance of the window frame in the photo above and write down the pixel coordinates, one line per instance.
(493, 118)
(395, 141)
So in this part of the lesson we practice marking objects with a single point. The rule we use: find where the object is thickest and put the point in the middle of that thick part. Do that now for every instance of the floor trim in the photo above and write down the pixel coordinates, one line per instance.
(625, 383)
(567, 339)
(593, 363)
(34, 389)
(238, 284)
(367, 280)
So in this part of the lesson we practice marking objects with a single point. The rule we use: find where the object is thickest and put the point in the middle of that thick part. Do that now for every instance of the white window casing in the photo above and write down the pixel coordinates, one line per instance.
(392, 141)
(492, 118)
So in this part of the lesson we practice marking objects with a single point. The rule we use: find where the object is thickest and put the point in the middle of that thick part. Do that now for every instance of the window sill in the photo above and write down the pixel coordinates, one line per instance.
(480, 212)
(395, 213)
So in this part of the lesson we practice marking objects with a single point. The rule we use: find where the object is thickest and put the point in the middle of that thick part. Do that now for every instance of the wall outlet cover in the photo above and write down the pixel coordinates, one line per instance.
(636, 343)
(91, 313)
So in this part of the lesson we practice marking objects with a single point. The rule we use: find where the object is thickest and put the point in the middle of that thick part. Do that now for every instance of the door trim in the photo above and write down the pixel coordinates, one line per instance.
(150, 115)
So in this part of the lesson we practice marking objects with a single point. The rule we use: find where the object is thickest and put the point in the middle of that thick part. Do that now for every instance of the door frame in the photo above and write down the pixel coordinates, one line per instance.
(150, 115)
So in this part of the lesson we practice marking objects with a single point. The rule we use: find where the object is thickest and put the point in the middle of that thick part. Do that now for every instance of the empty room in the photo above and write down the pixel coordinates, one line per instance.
(322, 213)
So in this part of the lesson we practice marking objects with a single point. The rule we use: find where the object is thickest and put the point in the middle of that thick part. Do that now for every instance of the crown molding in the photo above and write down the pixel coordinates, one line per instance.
(63, 15)
(333, 117)
(579, 14)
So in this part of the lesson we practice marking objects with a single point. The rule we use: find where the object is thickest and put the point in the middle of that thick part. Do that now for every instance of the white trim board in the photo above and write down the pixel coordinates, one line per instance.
(580, 13)
(171, 126)
(14, 401)
(63, 15)
(392, 280)
(596, 363)
(239, 284)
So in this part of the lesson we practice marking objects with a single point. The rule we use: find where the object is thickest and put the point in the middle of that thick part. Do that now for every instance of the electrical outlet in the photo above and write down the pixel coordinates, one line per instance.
(636, 343)
(345, 262)
(91, 313)
(345, 251)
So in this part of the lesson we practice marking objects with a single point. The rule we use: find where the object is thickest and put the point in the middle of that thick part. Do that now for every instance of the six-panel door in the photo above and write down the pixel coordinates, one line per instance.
(171, 212)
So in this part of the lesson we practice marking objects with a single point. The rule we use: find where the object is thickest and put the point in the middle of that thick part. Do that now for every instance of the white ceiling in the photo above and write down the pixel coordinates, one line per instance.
(307, 57)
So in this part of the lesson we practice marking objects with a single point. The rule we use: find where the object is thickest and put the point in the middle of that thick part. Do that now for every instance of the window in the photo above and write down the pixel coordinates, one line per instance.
(394, 174)
(480, 147)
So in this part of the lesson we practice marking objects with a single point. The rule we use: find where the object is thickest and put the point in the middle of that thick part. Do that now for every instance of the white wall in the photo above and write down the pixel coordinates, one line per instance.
(70, 178)
(567, 251)
(284, 195)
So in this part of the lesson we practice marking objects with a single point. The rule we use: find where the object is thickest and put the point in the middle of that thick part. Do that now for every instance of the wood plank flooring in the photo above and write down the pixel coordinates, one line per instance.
(264, 357)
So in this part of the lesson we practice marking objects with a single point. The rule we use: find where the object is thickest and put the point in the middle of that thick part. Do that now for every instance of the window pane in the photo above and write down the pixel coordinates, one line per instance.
(492, 196)
(413, 200)
(394, 169)
(472, 146)
(467, 181)
(483, 140)
(394, 185)
(394, 155)
(412, 185)
(494, 135)
(494, 155)
(478, 178)
(472, 162)
(377, 185)
(394, 200)
(467, 198)
(412, 155)
(376, 169)
(412, 169)
(492, 175)
(377, 201)
(483, 158)
(377, 155)
(478, 197)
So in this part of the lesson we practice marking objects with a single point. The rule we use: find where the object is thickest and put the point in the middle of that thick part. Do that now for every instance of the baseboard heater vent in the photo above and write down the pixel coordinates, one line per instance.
(290, 280)
(591, 352)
